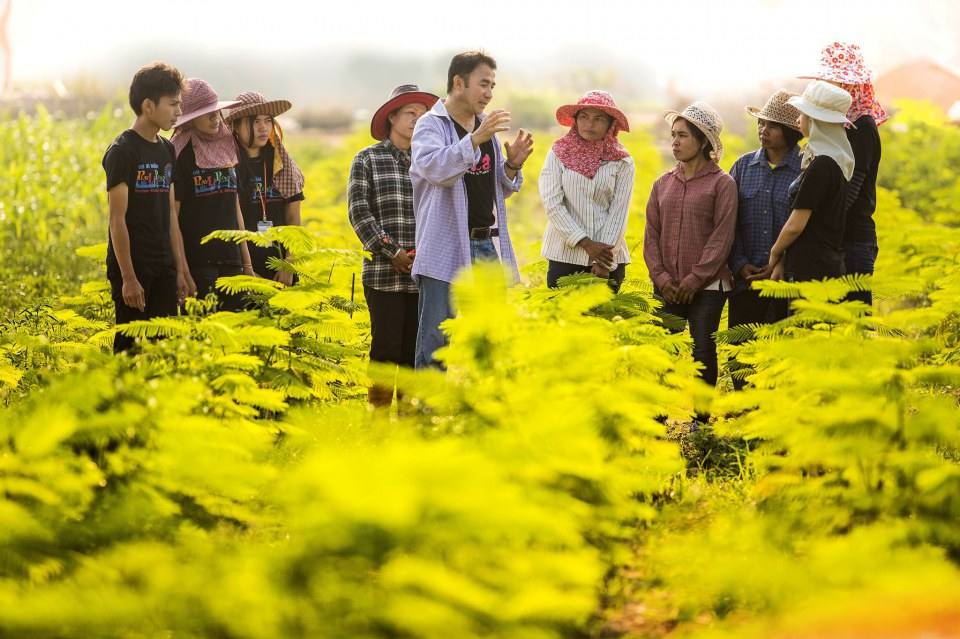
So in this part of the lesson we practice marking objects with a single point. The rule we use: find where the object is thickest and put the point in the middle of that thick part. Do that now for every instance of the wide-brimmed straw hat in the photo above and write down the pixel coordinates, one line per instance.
(778, 110)
(601, 100)
(841, 62)
(706, 119)
(253, 103)
(824, 102)
(400, 97)
(199, 98)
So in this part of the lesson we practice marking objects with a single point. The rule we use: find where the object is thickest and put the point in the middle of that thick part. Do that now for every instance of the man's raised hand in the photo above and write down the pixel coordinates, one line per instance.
(497, 121)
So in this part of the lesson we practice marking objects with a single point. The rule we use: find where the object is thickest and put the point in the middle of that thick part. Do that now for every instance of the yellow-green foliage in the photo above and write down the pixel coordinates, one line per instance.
(229, 481)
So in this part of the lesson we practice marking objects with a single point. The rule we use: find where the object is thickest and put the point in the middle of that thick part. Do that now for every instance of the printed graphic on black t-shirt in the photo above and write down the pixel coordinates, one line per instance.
(147, 169)
(479, 181)
(252, 173)
(208, 202)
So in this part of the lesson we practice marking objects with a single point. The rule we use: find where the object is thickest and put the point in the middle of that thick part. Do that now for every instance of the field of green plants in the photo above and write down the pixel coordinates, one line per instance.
(229, 481)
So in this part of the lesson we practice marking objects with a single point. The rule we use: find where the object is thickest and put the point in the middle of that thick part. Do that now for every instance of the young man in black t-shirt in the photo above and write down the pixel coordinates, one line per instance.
(144, 251)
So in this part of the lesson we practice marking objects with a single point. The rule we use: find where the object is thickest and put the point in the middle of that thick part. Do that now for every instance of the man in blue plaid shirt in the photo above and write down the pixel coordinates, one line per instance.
(380, 202)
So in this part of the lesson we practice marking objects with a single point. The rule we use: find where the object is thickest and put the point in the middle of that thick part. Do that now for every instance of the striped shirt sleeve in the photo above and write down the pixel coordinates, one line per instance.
(615, 226)
(551, 192)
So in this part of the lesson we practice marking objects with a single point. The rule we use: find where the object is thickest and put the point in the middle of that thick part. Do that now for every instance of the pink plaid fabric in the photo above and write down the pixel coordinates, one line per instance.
(690, 227)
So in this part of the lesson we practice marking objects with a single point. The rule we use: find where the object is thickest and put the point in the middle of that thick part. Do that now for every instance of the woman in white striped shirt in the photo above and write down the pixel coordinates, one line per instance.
(585, 186)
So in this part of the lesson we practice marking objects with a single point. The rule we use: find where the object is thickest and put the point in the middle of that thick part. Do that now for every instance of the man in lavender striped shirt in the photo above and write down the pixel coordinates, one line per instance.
(460, 182)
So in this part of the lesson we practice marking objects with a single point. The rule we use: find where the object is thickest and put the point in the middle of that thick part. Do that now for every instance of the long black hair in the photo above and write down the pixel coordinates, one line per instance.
(245, 165)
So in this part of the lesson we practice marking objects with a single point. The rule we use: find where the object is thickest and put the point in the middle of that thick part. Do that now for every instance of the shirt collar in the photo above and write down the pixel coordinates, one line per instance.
(397, 153)
(791, 159)
(705, 169)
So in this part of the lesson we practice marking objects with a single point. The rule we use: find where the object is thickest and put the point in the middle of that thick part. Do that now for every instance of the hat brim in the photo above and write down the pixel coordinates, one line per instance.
(379, 127)
(817, 113)
(196, 113)
(567, 114)
(273, 108)
(760, 115)
(671, 116)
(831, 75)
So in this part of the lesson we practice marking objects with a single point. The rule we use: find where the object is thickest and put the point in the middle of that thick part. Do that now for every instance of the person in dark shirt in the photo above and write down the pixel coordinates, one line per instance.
(812, 237)
(205, 189)
(270, 183)
(144, 249)
(842, 64)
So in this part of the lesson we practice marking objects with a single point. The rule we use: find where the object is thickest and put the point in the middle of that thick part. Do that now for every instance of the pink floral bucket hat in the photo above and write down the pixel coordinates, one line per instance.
(567, 114)
(842, 62)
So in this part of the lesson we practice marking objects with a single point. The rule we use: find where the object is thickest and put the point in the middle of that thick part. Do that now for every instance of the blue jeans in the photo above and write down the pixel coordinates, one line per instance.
(435, 307)
(859, 257)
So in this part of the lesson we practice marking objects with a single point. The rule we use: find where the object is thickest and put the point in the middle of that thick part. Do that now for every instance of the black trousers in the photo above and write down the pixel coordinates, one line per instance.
(393, 326)
(747, 307)
(703, 316)
(860, 257)
(556, 270)
(159, 292)
(205, 277)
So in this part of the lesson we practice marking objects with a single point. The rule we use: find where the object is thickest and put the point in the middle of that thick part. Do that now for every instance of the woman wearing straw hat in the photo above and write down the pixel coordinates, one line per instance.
(269, 181)
(205, 187)
(763, 178)
(585, 186)
(810, 245)
(691, 219)
(842, 64)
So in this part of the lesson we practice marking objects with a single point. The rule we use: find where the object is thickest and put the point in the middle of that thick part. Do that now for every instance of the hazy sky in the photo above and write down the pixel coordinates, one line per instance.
(704, 45)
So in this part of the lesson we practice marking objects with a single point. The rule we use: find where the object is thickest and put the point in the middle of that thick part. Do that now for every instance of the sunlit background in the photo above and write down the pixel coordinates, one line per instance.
(337, 60)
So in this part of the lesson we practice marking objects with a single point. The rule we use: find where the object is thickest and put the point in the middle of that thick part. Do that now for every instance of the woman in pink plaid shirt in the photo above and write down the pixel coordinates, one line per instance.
(691, 219)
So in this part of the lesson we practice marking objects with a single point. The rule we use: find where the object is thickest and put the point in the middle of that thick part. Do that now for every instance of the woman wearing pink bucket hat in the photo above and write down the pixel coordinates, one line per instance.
(205, 186)
(585, 186)
(843, 65)
(270, 182)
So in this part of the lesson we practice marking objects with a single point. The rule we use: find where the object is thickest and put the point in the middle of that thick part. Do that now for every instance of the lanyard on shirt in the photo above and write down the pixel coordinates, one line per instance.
(263, 201)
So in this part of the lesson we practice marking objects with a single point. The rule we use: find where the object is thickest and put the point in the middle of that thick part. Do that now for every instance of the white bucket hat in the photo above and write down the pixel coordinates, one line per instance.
(704, 117)
(824, 102)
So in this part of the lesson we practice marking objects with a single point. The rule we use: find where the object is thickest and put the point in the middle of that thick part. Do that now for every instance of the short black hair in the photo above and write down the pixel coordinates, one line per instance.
(154, 81)
(463, 65)
(790, 135)
(700, 136)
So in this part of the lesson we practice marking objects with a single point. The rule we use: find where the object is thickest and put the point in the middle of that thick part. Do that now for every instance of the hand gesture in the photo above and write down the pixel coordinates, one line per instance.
(778, 271)
(519, 150)
(600, 271)
(685, 293)
(598, 251)
(284, 278)
(749, 272)
(186, 287)
(496, 122)
(133, 294)
(402, 262)
(669, 292)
